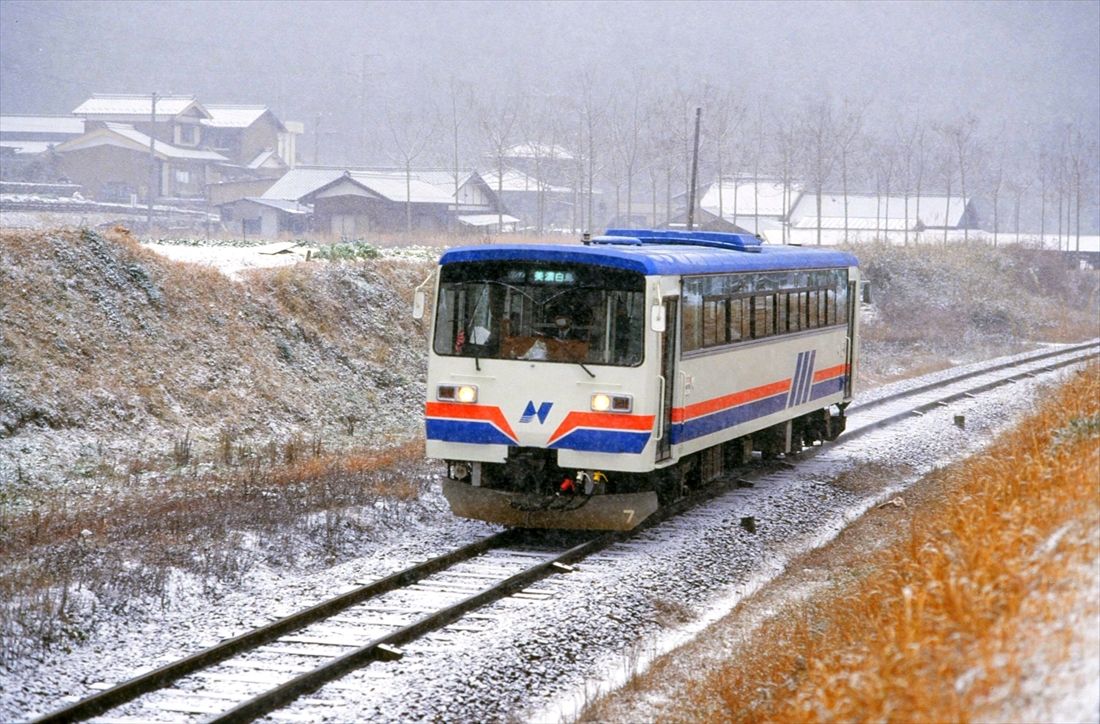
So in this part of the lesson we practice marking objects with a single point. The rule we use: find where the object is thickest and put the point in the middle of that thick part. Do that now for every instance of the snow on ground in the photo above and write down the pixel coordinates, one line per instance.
(232, 260)
(542, 659)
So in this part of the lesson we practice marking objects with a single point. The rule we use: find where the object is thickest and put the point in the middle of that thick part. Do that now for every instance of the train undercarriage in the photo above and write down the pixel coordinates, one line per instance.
(529, 490)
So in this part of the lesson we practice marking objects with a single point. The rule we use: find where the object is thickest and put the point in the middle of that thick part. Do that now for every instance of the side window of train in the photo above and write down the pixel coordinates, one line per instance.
(691, 315)
(725, 309)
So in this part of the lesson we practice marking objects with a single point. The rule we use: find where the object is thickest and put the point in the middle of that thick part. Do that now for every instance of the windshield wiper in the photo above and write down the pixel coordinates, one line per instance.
(587, 370)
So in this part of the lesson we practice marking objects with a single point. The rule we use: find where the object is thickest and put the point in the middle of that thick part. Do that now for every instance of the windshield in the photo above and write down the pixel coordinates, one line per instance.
(547, 312)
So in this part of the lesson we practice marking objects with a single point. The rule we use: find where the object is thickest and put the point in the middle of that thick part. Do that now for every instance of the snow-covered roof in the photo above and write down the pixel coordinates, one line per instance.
(300, 182)
(61, 125)
(231, 116)
(104, 104)
(486, 219)
(28, 146)
(856, 223)
(763, 199)
(392, 186)
(934, 208)
(538, 150)
(290, 207)
(121, 134)
(268, 158)
(515, 180)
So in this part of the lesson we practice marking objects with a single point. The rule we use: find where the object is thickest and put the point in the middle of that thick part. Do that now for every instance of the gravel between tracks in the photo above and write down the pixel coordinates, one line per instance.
(542, 659)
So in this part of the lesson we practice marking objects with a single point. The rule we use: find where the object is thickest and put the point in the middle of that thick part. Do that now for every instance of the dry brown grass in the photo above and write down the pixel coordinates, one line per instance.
(70, 558)
(934, 625)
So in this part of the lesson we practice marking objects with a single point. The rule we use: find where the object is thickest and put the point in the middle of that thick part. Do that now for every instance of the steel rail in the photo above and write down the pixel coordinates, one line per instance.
(158, 678)
(941, 401)
(967, 375)
(383, 647)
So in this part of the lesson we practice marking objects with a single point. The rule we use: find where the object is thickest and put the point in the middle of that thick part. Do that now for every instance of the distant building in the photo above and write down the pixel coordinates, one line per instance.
(351, 202)
(26, 142)
(177, 119)
(112, 162)
(870, 216)
(250, 136)
(267, 218)
(744, 205)
(523, 194)
(195, 146)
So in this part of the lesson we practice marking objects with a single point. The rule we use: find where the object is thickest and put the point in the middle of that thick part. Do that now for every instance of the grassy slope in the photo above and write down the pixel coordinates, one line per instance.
(937, 305)
(101, 335)
(942, 611)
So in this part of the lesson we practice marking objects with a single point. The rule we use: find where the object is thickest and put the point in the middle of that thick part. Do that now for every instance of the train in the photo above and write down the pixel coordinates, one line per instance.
(584, 385)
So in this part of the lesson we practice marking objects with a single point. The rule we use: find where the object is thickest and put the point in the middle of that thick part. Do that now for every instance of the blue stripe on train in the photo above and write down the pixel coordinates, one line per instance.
(606, 441)
(683, 432)
(699, 426)
(476, 432)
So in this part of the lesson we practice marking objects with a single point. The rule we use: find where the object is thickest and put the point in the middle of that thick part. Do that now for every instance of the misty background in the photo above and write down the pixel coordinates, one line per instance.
(440, 83)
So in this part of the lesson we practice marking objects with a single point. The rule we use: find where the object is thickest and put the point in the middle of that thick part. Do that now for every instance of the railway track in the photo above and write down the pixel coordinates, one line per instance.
(265, 669)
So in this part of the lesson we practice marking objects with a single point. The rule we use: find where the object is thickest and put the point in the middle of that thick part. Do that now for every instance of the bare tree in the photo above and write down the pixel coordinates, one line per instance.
(819, 128)
(411, 135)
(963, 142)
(1080, 152)
(848, 131)
(724, 118)
(996, 183)
(627, 134)
(886, 168)
(787, 137)
(498, 119)
(910, 143)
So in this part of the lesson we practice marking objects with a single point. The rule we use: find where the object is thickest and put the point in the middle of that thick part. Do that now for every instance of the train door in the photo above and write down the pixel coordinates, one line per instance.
(668, 377)
(850, 355)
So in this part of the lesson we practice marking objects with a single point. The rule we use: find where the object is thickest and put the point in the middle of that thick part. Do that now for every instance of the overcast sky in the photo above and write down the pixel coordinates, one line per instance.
(1027, 64)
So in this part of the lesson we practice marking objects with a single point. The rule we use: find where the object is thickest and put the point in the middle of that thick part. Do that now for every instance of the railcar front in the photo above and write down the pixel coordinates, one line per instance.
(577, 386)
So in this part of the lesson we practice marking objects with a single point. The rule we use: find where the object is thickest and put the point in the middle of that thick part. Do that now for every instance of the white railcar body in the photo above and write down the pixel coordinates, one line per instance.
(684, 344)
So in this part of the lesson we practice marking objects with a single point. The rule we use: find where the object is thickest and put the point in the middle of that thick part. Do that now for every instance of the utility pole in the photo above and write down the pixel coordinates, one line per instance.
(152, 164)
(694, 171)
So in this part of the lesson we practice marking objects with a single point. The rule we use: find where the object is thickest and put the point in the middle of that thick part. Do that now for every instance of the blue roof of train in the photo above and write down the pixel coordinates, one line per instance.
(658, 256)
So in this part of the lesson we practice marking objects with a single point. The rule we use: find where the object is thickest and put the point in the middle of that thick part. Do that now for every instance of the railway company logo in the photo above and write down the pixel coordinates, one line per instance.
(802, 382)
(530, 413)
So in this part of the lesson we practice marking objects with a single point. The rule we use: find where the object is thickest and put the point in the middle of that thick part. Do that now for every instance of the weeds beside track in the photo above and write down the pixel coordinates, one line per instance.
(943, 622)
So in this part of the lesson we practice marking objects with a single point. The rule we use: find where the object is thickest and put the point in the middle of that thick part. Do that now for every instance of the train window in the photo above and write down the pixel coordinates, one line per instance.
(714, 321)
(763, 316)
(724, 309)
(568, 313)
(692, 316)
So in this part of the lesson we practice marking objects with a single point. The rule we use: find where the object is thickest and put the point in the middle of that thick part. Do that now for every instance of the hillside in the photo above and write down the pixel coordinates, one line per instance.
(111, 349)
(113, 357)
(934, 306)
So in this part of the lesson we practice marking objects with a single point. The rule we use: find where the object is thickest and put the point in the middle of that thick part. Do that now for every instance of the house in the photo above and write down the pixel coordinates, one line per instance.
(870, 216)
(35, 134)
(353, 202)
(114, 162)
(268, 218)
(531, 199)
(251, 137)
(551, 162)
(356, 201)
(755, 206)
(475, 206)
(177, 119)
(26, 142)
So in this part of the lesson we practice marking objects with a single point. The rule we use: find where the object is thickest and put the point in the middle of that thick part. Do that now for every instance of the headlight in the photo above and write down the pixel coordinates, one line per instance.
(456, 393)
(604, 402)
